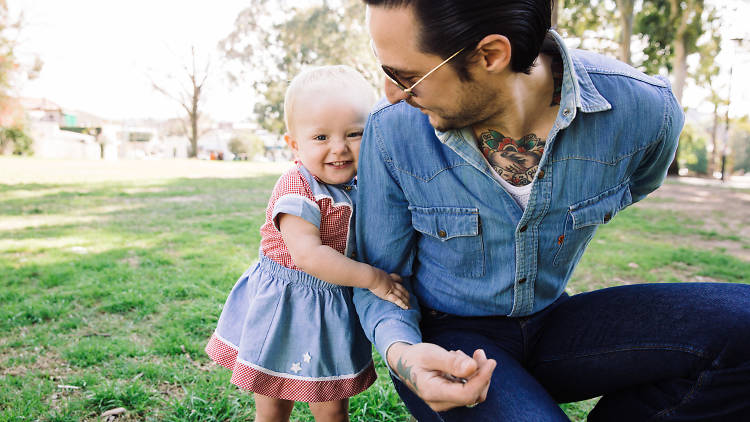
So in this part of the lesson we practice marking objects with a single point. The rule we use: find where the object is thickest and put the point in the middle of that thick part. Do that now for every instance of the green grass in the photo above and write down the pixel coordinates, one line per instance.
(114, 284)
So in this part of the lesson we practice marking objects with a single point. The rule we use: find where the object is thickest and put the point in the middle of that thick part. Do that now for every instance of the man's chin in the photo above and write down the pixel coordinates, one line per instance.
(441, 125)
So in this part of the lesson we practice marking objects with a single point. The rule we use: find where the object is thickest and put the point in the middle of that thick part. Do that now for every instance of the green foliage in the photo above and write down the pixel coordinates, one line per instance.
(661, 25)
(8, 61)
(17, 139)
(693, 155)
(654, 23)
(278, 39)
(740, 143)
(247, 144)
(586, 20)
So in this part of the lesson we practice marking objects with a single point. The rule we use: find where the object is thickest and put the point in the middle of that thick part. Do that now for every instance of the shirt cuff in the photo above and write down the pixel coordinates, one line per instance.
(394, 331)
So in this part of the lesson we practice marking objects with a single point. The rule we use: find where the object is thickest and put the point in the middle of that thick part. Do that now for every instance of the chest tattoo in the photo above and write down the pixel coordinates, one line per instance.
(515, 160)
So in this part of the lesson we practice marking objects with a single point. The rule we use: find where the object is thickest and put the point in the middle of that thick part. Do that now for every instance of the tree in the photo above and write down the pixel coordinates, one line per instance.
(272, 41)
(693, 144)
(189, 98)
(706, 76)
(15, 140)
(13, 137)
(246, 145)
(740, 143)
(625, 12)
(672, 28)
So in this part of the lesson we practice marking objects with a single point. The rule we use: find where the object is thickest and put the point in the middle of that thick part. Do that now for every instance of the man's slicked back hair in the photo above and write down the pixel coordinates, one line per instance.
(446, 26)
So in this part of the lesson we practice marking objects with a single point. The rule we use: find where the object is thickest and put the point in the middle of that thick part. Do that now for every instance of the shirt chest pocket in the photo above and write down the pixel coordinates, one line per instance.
(584, 217)
(451, 239)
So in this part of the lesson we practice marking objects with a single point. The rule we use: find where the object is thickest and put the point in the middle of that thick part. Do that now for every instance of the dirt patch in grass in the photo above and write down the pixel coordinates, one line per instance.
(723, 210)
(15, 362)
(682, 272)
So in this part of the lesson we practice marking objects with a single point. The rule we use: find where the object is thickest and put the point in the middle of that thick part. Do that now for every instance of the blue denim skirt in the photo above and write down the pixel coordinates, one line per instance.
(286, 334)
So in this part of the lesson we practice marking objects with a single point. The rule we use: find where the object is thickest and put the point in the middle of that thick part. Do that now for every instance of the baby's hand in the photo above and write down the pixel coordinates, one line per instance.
(388, 287)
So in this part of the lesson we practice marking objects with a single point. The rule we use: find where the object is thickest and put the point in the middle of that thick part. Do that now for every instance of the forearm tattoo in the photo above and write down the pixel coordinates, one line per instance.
(404, 372)
(515, 160)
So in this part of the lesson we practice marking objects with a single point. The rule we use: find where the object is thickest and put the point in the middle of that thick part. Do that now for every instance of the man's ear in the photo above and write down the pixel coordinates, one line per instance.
(291, 142)
(493, 53)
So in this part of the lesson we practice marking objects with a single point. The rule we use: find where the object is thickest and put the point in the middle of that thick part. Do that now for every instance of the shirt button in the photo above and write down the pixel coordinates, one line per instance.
(521, 281)
(523, 229)
(442, 233)
(566, 112)
(607, 217)
(540, 175)
(347, 188)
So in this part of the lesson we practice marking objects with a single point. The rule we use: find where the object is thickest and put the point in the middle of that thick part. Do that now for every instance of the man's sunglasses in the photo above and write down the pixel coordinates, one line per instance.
(393, 76)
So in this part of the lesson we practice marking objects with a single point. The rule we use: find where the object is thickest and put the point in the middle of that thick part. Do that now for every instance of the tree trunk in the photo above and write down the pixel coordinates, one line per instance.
(555, 13)
(626, 22)
(715, 147)
(679, 65)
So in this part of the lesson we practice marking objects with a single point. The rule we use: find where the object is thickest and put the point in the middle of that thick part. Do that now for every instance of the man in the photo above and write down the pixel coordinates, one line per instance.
(482, 183)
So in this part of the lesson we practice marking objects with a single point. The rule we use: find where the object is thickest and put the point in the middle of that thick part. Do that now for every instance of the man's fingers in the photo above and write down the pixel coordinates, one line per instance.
(457, 364)
(486, 367)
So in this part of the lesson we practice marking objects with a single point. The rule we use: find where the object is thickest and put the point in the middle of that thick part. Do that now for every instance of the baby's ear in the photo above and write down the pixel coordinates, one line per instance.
(291, 142)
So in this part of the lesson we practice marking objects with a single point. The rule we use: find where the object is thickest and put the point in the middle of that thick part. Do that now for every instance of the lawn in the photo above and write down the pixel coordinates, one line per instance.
(113, 275)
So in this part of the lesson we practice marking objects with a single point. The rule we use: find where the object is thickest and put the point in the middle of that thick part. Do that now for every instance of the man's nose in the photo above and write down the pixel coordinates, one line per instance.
(394, 93)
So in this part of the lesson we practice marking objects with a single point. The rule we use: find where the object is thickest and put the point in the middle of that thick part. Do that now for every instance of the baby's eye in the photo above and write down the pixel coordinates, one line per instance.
(320, 137)
(357, 134)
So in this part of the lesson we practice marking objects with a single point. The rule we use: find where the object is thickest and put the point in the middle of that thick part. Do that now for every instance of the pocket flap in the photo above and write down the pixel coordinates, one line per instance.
(601, 208)
(445, 222)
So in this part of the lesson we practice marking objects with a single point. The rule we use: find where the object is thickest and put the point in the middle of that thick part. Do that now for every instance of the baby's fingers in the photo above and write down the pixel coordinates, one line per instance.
(398, 301)
(402, 296)
(400, 290)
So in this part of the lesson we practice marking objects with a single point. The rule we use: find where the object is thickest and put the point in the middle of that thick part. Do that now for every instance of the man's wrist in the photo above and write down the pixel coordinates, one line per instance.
(394, 352)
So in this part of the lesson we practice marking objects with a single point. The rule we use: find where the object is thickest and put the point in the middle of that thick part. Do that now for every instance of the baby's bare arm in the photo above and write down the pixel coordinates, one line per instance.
(302, 239)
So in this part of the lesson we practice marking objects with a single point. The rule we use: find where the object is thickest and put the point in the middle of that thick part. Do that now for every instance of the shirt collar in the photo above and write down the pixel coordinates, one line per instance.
(578, 90)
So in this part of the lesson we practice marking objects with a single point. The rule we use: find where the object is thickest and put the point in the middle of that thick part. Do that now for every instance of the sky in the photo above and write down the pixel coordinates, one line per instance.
(101, 55)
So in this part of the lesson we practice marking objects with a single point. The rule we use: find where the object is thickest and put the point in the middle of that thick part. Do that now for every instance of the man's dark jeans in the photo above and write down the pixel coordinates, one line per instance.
(654, 352)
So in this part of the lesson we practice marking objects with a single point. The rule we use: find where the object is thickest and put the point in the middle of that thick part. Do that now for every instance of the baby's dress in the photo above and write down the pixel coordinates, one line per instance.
(285, 333)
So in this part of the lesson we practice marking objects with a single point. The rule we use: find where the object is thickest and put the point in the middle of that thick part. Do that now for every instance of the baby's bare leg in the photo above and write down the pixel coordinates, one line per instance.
(331, 411)
(270, 409)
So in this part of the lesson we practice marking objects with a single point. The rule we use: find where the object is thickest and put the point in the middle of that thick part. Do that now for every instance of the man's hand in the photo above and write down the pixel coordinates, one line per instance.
(424, 366)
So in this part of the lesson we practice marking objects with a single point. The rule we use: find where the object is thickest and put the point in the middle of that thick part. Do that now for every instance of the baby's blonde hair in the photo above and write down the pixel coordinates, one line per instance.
(339, 78)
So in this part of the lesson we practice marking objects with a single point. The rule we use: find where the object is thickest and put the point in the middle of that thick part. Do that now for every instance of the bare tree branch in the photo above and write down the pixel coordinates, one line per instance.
(189, 99)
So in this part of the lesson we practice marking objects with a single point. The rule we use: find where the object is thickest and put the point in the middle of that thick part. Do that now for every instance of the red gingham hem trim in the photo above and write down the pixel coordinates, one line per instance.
(249, 378)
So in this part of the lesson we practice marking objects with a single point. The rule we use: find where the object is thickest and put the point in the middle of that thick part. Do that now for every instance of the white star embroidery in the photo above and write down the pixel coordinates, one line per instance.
(296, 367)
(307, 357)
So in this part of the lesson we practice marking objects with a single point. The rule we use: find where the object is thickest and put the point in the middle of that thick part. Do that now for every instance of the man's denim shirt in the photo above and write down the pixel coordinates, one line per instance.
(430, 209)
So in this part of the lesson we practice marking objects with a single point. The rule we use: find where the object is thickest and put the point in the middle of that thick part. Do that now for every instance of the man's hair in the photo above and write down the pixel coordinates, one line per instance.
(337, 78)
(446, 26)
